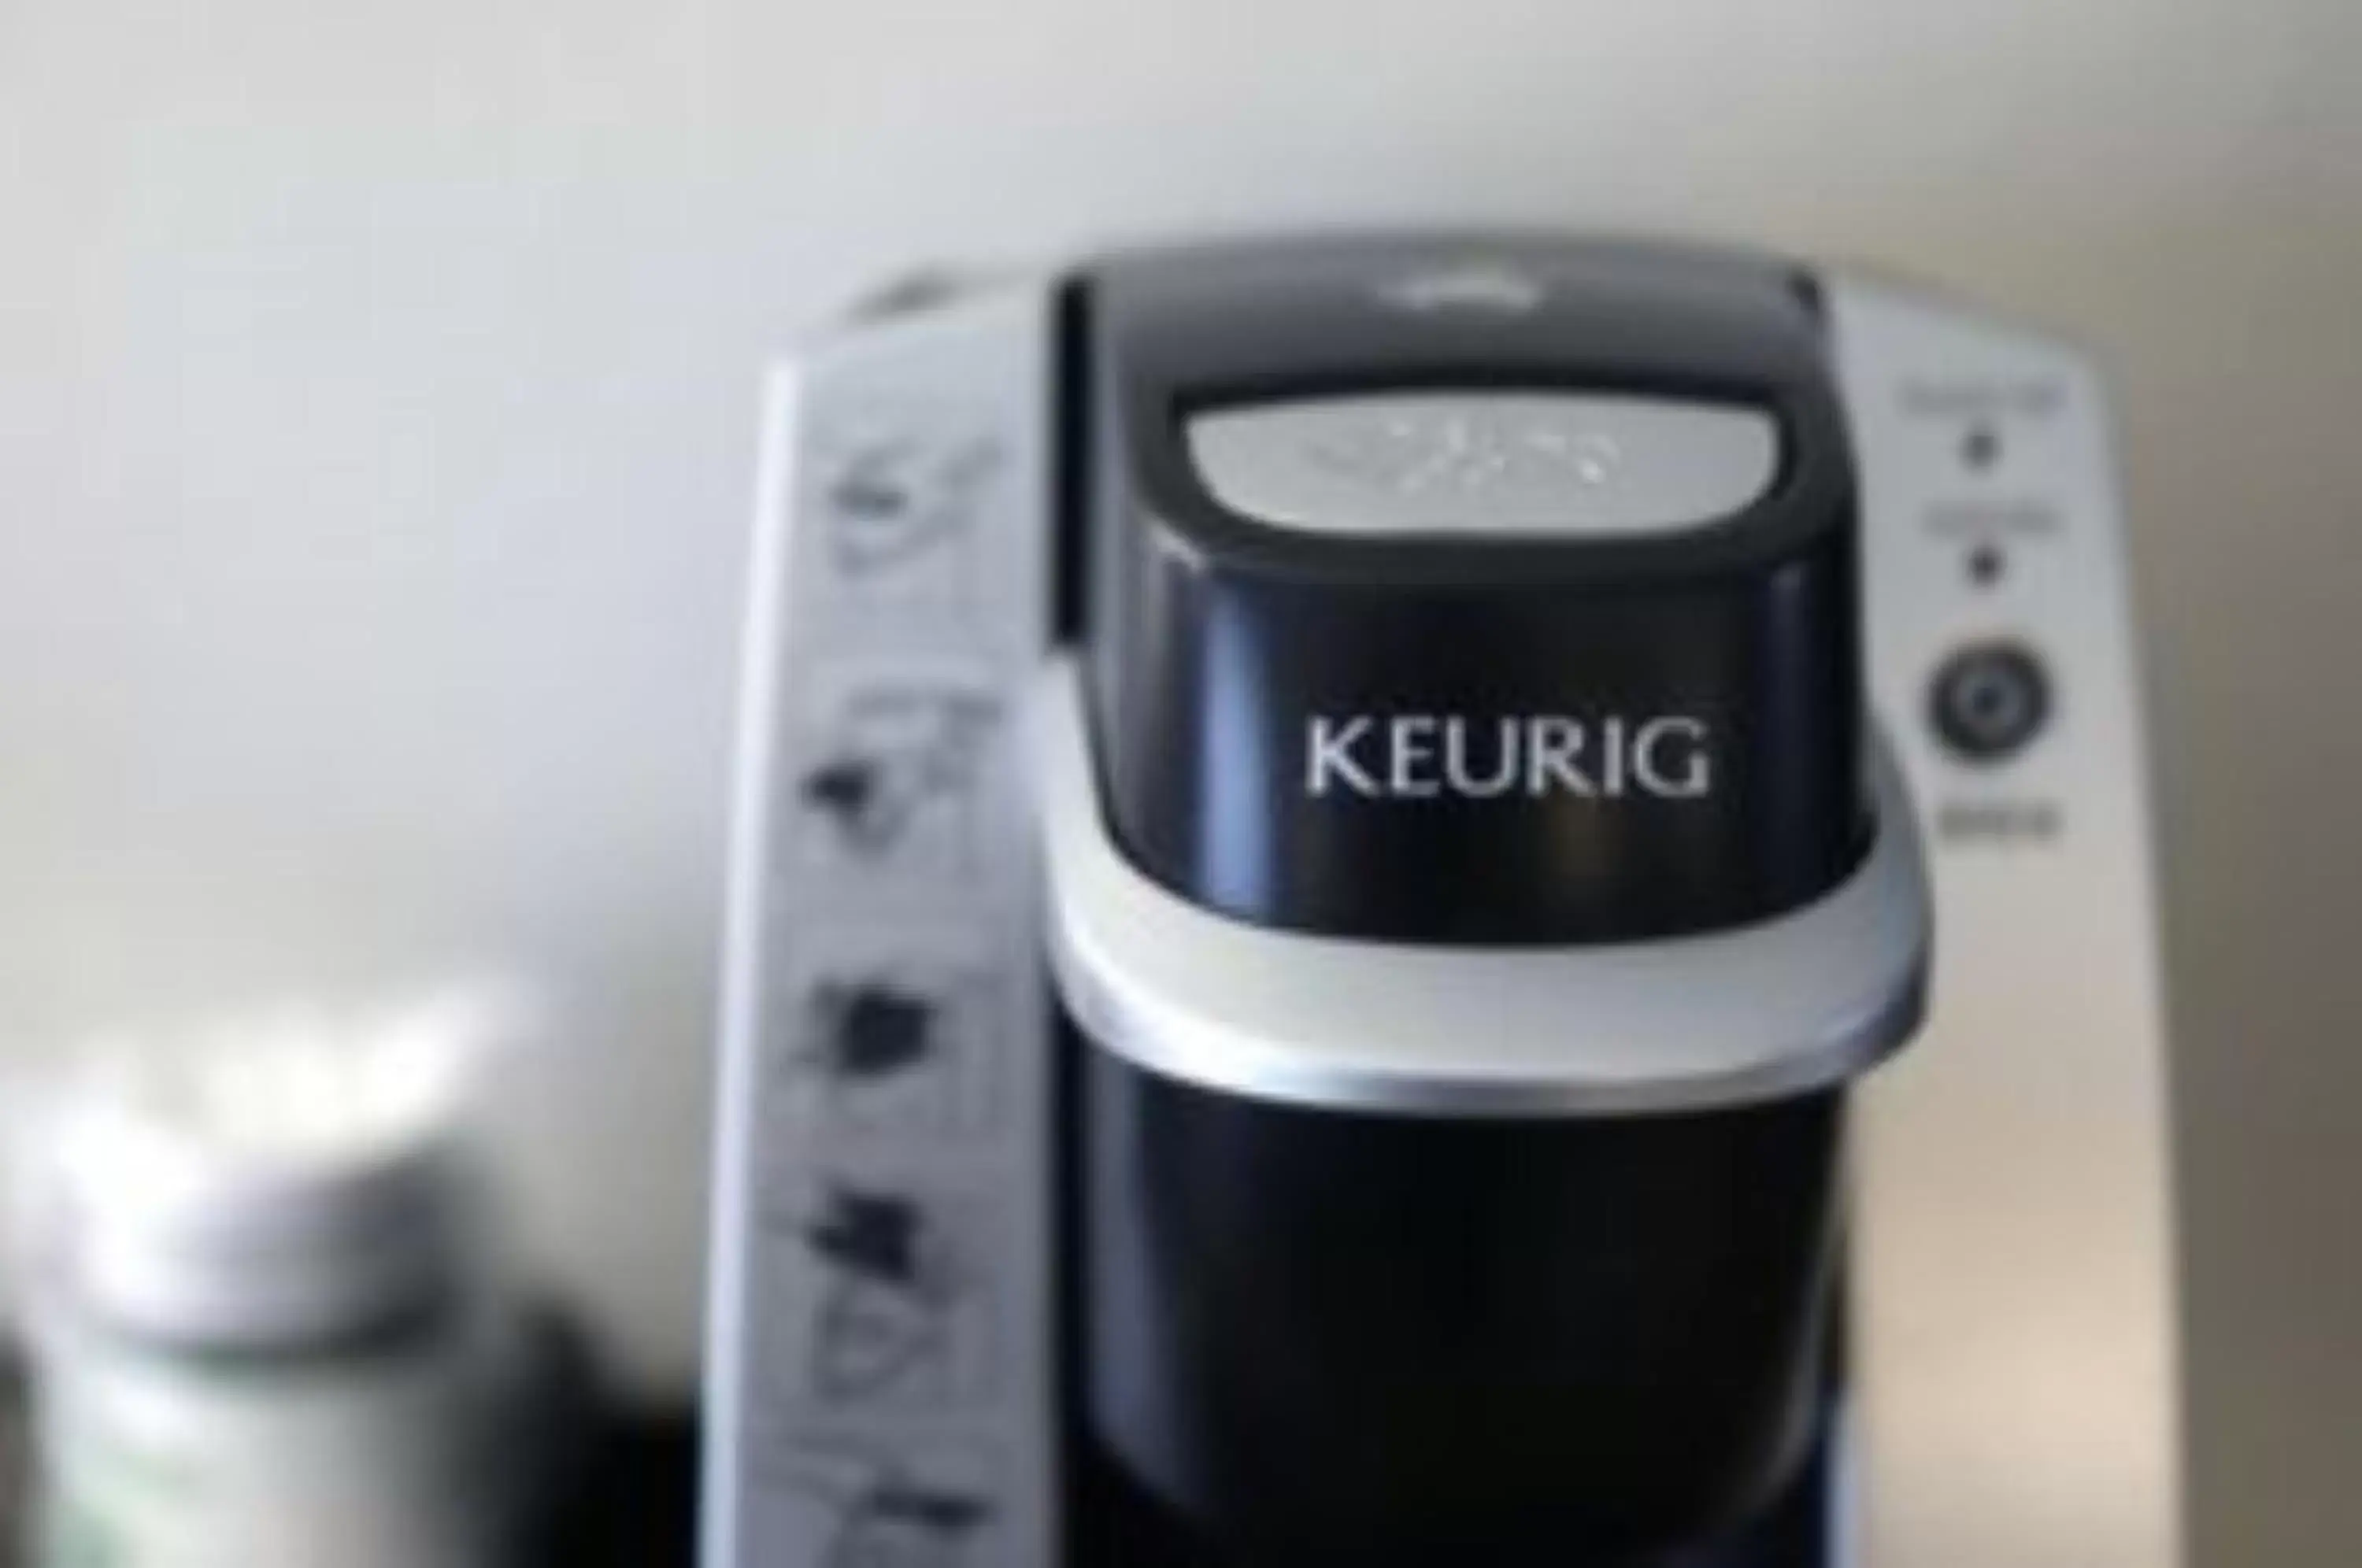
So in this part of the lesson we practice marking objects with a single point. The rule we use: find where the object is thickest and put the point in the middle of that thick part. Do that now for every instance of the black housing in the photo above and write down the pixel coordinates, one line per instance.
(1409, 1341)
(1331, 1336)
(1213, 638)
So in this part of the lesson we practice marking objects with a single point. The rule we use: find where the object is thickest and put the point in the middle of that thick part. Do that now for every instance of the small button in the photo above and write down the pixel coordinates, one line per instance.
(1989, 700)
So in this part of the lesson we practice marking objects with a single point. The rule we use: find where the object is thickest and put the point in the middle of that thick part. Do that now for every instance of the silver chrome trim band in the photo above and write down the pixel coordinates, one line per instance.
(1786, 1005)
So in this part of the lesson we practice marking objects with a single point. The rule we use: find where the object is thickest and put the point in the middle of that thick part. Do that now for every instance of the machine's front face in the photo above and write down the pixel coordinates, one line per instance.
(1315, 877)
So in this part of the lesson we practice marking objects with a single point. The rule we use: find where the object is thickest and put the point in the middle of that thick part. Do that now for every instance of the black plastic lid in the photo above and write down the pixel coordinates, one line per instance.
(1454, 734)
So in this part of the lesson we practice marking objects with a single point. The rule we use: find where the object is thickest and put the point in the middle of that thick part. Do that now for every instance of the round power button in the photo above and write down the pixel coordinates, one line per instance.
(1989, 700)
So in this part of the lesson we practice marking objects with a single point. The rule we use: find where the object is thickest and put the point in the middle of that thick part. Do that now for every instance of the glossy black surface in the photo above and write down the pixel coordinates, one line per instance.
(1213, 644)
(1408, 1341)
(1115, 1525)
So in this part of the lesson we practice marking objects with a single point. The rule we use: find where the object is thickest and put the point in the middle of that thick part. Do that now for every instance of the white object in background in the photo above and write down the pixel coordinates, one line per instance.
(265, 1333)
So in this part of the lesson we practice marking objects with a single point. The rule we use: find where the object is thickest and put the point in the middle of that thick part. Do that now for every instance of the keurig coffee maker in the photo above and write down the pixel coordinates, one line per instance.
(1334, 837)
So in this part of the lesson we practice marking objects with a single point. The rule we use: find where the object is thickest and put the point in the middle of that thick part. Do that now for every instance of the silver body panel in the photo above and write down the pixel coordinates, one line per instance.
(2012, 1399)
(2014, 1327)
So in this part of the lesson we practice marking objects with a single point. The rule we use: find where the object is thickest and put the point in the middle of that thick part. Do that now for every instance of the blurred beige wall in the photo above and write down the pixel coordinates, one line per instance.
(376, 395)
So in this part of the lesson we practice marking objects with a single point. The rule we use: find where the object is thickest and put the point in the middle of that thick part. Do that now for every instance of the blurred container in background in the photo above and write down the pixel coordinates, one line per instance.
(268, 1328)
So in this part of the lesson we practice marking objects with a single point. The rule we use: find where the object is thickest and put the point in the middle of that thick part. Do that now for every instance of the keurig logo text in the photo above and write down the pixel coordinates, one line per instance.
(1418, 757)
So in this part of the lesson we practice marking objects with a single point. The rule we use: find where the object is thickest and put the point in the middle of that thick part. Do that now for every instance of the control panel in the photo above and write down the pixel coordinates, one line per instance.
(2014, 1370)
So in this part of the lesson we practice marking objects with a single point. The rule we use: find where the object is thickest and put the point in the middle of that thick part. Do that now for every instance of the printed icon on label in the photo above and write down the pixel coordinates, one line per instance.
(900, 497)
(873, 1030)
(882, 1511)
(897, 775)
(905, 1047)
(888, 1300)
